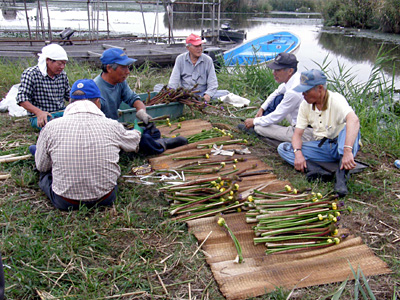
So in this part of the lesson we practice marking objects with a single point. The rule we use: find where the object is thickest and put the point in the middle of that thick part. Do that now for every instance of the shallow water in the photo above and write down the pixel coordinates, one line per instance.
(353, 49)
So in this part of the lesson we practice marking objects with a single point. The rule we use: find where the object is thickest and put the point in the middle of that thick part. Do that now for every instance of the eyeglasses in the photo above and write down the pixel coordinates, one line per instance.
(59, 63)
(129, 67)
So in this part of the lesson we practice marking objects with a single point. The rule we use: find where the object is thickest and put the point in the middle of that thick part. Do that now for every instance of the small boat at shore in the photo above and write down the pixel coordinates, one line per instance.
(262, 49)
(225, 33)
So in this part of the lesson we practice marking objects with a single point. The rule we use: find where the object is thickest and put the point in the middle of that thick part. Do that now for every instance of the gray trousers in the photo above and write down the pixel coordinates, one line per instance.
(282, 133)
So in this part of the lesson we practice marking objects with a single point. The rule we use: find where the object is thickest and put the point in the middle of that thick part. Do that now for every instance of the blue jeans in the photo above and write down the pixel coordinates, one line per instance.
(55, 115)
(273, 104)
(330, 151)
(45, 183)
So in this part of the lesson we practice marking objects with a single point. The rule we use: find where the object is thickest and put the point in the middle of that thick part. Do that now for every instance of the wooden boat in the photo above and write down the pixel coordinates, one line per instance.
(262, 49)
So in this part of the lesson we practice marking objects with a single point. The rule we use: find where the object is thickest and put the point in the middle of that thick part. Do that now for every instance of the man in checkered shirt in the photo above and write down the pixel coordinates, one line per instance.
(77, 155)
(44, 88)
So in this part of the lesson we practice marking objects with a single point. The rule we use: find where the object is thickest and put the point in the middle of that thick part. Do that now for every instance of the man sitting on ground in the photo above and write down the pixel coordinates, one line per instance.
(77, 155)
(44, 88)
(116, 66)
(283, 103)
(335, 127)
(196, 68)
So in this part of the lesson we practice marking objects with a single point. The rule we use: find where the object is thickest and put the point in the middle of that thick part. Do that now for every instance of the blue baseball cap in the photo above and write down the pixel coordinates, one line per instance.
(88, 87)
(116, 56)
(309, 79)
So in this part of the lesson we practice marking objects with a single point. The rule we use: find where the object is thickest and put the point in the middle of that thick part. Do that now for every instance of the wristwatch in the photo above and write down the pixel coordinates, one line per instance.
(295, 150)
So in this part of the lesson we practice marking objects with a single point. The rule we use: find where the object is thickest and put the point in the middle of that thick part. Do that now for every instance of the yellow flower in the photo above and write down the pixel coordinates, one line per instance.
(337, 240)
(179, 126)
(213, 183)
(230, 198)
(174, 136)
(314, 199)
(320, 217)
(337, 213)
(221, 222)
(335, 232)
(223, 164)
(169, 124)
(236, 186)
(235, 161)
(245, 141)
(328, 240)
(231, 193)
(288, 188)
(330, 216)
(234, 167)
(222, 182)
(295, 191)
(239, 209)
(222, 190)
(334, 206)
(319, 195)
(250, 198)
(207, 156)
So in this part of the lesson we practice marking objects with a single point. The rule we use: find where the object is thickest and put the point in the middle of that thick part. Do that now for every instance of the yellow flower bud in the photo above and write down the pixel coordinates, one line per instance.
(231, 193)
(320, 217)
(250, 198)
(314, 199)
(328, 240)
(222, 190)
(223, 164)
(239, 209)
(337, 240)
(295, 191)
(235, 161)
(207, 156)
(337, 213)
(319, 195)
(221, 222)
(335, 232)
(230, 198)
(236, 186)
(288, 188)
(334, 206)
(234, 167)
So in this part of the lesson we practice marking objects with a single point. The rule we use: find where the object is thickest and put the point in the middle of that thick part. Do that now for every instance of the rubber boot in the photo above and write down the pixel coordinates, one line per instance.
(243, 128)
(315, 172)
(170, 143)
(340, 181)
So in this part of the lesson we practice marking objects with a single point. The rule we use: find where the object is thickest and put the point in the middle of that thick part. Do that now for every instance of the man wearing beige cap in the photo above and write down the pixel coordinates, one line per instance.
(195, 67)
(44, 88)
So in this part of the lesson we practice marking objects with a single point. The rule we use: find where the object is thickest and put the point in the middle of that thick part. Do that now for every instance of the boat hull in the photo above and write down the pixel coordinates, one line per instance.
(262, 50)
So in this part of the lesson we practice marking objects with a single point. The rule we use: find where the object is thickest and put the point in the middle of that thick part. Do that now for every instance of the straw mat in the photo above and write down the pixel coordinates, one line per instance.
(261, 273)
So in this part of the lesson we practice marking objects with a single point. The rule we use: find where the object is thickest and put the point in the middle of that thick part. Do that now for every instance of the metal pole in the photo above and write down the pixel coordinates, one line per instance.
(48, 21)
(212, 24)
(219, 18)
(108, 24)
(98, 19)
(27, 21)
(202, 17)
(144, 22)
(88, 11)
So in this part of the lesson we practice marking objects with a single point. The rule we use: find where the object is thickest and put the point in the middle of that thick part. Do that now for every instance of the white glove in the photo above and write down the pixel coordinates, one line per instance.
(143, 116)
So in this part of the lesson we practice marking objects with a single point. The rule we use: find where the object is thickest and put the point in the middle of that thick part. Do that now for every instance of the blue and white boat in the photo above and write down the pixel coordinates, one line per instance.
(262, 49)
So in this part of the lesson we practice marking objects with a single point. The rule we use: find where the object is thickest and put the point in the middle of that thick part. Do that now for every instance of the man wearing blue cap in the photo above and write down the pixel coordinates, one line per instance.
(335, 127)
(116, 66)
(77, 155)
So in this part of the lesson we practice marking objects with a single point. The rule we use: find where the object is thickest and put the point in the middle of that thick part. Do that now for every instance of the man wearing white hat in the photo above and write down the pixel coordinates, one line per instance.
(44, 88)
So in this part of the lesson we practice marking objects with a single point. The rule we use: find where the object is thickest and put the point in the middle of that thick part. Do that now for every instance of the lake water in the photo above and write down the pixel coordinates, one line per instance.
(352, 51)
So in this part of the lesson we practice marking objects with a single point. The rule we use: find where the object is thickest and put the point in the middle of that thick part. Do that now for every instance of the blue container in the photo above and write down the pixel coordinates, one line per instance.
(128, 114)
(397, 163)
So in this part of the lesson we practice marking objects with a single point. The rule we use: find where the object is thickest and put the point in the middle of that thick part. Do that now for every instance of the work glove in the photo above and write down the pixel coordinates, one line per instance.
(143, 116)
(137, 127)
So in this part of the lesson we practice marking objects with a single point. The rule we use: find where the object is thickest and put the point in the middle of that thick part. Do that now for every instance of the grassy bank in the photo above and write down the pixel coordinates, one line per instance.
(130, 252)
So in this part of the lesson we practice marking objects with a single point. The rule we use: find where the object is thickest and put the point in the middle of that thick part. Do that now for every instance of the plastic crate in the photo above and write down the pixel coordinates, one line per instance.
(128, 114)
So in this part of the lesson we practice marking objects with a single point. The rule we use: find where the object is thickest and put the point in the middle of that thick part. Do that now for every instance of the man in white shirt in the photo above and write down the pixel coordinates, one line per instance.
(282, 104)
(336, 129)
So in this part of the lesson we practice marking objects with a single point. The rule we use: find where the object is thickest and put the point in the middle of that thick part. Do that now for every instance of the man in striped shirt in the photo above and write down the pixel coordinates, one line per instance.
(77, 155)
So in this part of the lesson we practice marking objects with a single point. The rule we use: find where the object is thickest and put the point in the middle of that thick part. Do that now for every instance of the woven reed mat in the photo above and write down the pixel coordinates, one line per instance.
(261, 273)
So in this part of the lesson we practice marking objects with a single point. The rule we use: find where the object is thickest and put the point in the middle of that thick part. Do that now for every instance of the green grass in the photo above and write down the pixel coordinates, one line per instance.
(99, 253)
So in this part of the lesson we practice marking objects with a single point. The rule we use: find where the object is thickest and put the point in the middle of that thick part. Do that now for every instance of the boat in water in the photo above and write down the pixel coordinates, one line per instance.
(262, 49)
(226, 34)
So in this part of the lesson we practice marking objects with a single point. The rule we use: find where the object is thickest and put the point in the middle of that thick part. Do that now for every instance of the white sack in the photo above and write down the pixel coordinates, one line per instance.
(235, 100)
(10, 103)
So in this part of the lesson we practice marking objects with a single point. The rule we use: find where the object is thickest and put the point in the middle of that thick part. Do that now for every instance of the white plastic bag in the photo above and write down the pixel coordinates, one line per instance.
(10, 103)
(235, 100)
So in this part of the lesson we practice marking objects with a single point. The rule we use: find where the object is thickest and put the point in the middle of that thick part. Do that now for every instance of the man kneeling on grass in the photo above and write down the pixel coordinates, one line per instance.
(77, 155)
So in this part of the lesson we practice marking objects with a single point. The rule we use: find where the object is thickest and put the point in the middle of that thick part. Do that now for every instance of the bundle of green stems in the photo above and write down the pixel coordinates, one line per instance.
(203, 197)
(290, 220)
(208, 134)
